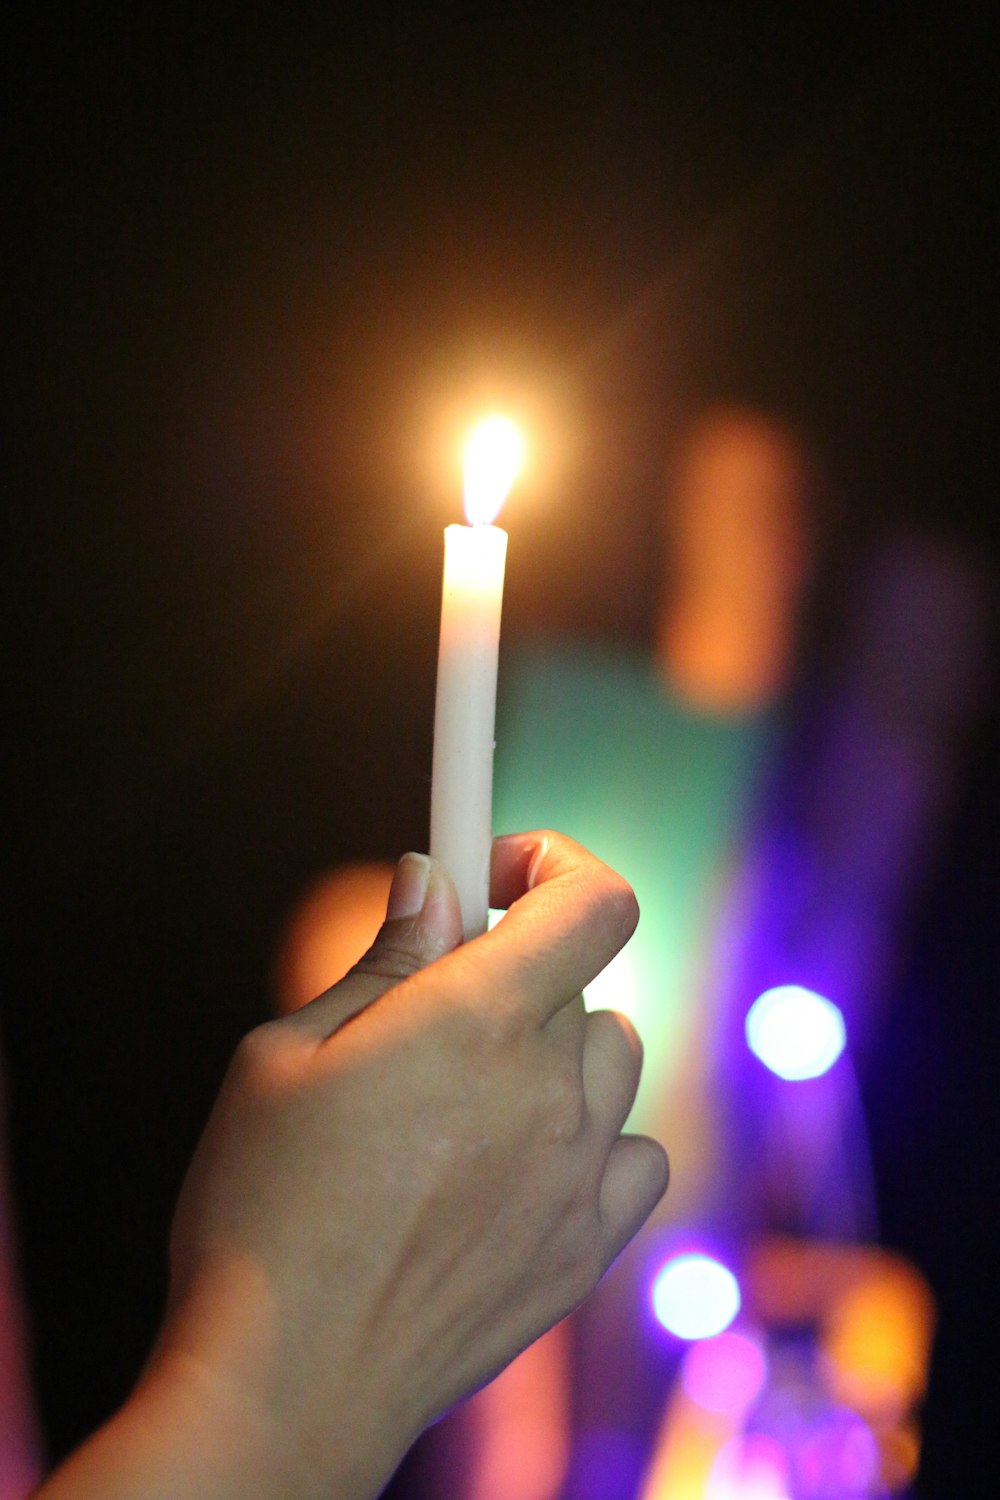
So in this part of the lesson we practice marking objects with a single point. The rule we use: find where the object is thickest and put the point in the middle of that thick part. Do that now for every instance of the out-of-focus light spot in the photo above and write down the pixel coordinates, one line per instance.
(334, 924)
(836, 1457)
(878, 1340)
(900, 1451)
(752, 1467)
(494, 453)
(795, 1032)
(725, 1373)
(695, 1297)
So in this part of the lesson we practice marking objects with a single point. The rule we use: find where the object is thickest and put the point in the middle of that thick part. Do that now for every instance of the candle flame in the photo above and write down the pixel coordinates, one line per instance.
(493, 455)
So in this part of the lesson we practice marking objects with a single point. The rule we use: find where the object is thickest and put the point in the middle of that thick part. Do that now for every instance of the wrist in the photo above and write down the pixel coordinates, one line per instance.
(231, 1372)
(174, 1437)
(192, 1432)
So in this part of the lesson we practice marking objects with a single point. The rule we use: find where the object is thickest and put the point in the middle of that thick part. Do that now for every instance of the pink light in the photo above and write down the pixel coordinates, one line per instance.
(753, 1467)
(725, 1373)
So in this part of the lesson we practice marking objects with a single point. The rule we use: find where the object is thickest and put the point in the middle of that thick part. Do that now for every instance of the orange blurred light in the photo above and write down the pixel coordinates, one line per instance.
(523, 1425)
(877, 1340)
(334, 924)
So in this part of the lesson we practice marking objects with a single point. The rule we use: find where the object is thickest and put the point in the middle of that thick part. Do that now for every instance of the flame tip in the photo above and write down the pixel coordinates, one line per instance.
(494, 451)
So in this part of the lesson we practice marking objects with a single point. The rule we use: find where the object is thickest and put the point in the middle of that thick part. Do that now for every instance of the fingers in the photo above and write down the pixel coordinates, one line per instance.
(612, 1064)
(423, 922)
(568, 914)
(635, 1180)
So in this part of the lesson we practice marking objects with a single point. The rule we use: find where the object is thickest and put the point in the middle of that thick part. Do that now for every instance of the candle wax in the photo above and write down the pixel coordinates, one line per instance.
(465, 714)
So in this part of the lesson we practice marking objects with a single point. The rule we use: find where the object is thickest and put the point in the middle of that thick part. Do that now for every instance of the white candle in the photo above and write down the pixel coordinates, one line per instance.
(465, 709)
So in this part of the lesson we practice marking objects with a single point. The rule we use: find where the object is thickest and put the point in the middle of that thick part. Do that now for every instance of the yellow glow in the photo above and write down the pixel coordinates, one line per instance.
(687, 1445)
(494, 452)
(878, 1339)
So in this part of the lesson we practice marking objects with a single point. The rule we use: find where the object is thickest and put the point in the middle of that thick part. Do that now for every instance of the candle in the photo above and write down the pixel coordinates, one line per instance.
(465, 708)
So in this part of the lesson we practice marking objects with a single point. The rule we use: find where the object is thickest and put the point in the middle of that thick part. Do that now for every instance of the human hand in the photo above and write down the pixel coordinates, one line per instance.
(405, 1182)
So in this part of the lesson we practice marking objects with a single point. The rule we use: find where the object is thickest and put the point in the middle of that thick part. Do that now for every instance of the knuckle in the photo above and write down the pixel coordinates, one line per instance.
(493, 1029)
(255, 1047)
(253, 1060)
(387, 960)
(620, 906)
(494, 1026)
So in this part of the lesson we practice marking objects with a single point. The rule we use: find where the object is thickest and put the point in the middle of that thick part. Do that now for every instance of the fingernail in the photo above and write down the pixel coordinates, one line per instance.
(409, 887)
(536, 862)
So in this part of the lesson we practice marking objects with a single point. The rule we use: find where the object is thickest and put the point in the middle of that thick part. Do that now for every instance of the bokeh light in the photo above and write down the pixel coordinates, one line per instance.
(835, 1456)
(877, 1339)
(750, 1467)
(725, 1373)
(695, 1297)
(795, 1032)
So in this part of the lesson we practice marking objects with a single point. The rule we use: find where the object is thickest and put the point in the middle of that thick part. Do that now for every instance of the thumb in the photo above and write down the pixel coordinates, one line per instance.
(423, 921)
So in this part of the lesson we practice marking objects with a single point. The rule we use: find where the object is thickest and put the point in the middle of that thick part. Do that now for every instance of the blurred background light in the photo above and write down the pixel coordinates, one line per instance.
(725, 1373)
(750, 1467)
(795, 1032)
(695, 1297)
(606, 1461)
(877, 1341)
(835, 1457)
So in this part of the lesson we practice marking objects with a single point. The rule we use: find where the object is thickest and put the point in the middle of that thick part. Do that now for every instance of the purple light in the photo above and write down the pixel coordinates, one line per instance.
(836, 1456)
(606, 1461)
(695, 1297)
(795, 1032)
(726, 1373)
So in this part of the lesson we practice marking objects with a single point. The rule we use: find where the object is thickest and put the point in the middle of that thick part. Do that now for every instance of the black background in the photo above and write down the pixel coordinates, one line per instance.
(259, 254)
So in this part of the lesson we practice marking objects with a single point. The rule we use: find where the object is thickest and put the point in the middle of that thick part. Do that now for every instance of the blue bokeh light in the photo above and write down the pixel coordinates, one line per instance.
(695, 1297)
(795, 1032)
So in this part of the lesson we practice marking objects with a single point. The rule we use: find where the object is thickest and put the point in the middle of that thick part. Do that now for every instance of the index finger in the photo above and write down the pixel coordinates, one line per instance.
(568, 914)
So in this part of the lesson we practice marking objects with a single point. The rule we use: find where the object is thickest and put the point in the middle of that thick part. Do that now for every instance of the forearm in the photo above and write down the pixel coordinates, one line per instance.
(164, 1443)
(179, 1438)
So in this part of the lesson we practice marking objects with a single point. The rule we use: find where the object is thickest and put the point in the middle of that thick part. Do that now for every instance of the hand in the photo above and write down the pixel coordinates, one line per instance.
(403, 1184)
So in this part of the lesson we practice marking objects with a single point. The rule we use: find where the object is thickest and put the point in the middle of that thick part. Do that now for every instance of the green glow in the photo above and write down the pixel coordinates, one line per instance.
(591, 743)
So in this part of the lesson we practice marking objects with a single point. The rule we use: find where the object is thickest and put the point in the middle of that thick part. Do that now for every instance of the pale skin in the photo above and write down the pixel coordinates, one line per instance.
(401, 1186)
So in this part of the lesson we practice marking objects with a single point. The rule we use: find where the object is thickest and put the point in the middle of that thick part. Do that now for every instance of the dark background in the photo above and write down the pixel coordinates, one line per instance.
(264, 260)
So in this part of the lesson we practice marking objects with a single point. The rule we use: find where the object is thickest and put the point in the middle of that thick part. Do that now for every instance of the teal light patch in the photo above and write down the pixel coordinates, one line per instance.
(592, 743)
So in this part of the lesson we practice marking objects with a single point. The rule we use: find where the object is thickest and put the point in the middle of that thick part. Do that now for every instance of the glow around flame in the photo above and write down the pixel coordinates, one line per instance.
(493, 455)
